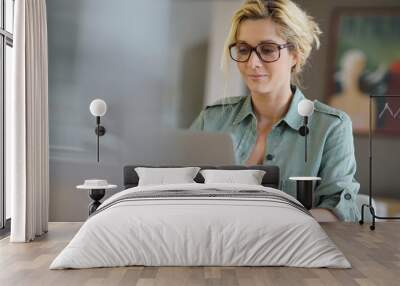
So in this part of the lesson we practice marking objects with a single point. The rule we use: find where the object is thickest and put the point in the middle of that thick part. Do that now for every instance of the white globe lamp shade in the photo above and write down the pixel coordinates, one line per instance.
(305, 107)
(98, 107)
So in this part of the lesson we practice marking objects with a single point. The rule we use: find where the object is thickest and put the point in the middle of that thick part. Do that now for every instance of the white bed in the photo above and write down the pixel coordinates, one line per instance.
(185, 230)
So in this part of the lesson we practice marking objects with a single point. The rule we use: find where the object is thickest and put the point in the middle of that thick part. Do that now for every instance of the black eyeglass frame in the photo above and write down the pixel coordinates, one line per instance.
(254, 49)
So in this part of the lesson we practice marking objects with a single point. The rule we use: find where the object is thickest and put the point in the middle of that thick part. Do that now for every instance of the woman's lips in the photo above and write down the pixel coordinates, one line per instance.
(257, 76)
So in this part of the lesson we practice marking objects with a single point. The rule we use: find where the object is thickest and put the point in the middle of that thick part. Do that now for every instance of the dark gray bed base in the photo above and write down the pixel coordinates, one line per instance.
(270, 179)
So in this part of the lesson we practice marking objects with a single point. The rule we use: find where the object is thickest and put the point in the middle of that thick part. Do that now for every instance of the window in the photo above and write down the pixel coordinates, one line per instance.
(6, 44)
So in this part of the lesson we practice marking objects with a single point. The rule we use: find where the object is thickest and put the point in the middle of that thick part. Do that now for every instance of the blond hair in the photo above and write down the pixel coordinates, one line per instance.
(294, 25)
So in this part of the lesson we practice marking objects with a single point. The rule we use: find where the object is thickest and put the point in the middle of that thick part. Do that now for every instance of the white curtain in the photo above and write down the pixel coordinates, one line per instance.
(27, 123)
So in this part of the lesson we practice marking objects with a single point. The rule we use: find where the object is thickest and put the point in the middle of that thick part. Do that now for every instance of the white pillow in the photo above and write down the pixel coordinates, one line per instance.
(248, 177)
(162, 176)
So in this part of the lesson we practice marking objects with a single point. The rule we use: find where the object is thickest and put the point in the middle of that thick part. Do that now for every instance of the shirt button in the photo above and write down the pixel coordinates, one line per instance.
(270, 157)
(347, 196)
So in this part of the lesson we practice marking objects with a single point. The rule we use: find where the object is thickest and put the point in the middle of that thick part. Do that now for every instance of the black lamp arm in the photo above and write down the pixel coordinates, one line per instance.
(304, 130)
(100, 131)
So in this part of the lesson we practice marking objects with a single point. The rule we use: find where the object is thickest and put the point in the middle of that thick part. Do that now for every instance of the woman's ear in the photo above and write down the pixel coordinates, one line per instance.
(294, 60)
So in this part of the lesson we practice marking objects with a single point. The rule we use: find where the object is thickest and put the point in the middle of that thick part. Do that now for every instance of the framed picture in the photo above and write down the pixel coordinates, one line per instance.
(364, 60)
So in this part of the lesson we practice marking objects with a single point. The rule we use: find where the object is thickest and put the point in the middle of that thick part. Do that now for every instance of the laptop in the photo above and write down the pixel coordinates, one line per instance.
(185, 148)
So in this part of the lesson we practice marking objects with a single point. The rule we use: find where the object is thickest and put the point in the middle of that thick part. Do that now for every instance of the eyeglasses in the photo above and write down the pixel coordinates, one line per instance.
(267, 52)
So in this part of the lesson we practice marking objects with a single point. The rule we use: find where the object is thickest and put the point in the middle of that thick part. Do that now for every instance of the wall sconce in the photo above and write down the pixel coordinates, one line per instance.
(304, 188)
(305, 108)
(98, 108)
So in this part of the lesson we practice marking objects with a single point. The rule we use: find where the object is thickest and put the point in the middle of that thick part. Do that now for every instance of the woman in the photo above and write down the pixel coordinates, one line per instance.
(270, 41)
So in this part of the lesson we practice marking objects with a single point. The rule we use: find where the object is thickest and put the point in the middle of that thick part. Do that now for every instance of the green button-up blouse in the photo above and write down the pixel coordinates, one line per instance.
(330, 148)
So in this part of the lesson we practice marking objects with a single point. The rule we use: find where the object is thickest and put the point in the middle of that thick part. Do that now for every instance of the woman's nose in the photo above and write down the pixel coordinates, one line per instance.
(254, 61)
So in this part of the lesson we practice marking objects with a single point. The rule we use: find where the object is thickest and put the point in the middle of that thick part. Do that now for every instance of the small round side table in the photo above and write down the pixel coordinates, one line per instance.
(97, 190)
(304, 190)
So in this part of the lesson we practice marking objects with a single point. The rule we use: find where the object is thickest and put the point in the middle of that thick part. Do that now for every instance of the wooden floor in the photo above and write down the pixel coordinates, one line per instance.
(374, 255)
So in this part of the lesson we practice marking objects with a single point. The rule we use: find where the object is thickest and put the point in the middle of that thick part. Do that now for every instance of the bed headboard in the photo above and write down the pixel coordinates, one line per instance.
(270, 179)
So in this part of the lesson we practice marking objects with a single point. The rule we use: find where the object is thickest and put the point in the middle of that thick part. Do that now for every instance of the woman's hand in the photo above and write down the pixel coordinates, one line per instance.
(323, 215)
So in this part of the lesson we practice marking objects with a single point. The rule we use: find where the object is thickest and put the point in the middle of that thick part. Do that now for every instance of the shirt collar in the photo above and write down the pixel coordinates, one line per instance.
(292, 118)
(245, 110)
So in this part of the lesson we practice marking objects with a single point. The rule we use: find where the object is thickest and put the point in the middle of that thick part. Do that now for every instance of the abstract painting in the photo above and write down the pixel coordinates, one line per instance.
(364, 60)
